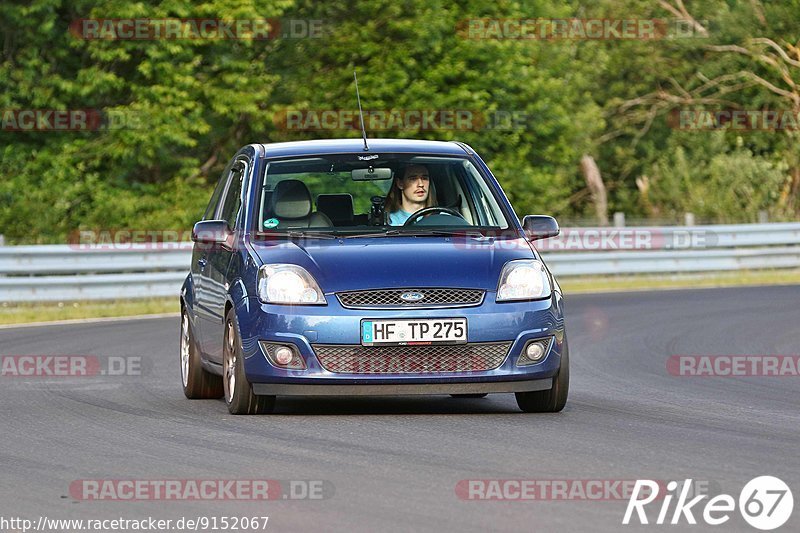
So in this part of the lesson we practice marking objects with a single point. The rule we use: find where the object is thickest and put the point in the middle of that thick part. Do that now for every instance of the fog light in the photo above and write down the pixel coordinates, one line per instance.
(535, 351)
(283, 356)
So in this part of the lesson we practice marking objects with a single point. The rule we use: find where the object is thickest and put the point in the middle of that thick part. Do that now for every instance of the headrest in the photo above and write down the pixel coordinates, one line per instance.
(338, 207)
(291, 199)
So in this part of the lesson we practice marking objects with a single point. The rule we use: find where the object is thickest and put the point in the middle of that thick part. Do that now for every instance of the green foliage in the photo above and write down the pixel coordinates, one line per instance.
(731, 186)
(187, 105)
(183, 104)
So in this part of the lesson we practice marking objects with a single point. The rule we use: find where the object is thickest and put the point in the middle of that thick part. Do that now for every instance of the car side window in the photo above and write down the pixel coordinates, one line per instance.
(489, 212)
(233, 195)
(211, 210)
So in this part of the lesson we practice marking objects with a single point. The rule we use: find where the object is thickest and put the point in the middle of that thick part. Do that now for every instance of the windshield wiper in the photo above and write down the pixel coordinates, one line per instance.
(312, 234)
(416, 232)
(295, 234)
(376, 233)
(448, 232)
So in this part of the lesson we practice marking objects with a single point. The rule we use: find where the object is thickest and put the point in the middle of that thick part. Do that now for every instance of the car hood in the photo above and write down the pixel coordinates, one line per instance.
(401, 262)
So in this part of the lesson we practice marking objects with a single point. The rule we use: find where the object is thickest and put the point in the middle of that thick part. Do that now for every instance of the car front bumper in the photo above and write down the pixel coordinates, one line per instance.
(303, 327)
(391, 389)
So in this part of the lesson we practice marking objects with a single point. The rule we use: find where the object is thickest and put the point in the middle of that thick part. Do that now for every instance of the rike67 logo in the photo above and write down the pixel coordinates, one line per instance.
(765, 503)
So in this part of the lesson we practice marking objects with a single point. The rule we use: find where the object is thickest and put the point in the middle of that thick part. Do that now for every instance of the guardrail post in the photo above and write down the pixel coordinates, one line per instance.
(619, 219)
(2, 240)
(763, 217)
(688, 219)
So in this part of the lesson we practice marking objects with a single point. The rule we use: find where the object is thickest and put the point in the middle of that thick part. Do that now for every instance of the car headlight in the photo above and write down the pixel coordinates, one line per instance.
(524, 279)
(288, 284)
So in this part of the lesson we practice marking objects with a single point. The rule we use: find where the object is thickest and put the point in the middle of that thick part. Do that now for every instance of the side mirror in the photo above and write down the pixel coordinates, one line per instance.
(212, 232)
(540, 227)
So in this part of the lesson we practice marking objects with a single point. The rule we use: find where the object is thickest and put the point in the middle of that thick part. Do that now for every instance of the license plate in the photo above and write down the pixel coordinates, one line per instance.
(410, 332)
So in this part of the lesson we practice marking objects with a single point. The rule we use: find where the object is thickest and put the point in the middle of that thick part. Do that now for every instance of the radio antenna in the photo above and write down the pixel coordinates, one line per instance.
(361, 114)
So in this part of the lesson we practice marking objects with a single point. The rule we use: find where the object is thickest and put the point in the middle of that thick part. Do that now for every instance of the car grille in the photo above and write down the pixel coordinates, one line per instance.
(390, 298)
(357, 359)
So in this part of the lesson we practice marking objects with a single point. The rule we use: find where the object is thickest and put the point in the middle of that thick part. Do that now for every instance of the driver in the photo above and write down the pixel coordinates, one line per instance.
(409, 194)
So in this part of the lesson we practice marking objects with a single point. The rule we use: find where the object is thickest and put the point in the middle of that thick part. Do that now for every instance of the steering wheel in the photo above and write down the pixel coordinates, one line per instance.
(427, 211)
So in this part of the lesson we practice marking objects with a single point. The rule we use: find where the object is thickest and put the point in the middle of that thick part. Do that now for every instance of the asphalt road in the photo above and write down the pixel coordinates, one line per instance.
(393, 464)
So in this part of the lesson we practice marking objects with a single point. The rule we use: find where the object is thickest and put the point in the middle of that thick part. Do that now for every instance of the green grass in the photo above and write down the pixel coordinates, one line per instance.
(39, 312)
(679, 281)
(32, 312)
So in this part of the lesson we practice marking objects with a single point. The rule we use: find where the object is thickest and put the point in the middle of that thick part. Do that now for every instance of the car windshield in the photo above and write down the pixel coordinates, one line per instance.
(376, 193)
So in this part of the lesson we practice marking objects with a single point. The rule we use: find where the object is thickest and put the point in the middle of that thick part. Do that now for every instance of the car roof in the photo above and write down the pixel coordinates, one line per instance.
(356, 146)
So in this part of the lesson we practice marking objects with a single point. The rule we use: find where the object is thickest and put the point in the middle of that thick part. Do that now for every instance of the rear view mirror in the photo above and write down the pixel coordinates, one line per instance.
(540, 227)
(371, 173)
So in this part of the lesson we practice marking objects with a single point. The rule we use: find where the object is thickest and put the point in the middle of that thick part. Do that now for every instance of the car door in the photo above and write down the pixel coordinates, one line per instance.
(215, 283)
(200, 262)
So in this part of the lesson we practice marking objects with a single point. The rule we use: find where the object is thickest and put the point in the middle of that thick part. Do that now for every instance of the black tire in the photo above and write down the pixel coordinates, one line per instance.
(198, 384)
(549, 401)
(474, 395)
(237, 390)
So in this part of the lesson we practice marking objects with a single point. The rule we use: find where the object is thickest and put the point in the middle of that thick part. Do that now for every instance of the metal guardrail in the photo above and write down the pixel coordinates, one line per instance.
(55, 273)
(65, 273)
(674, 249)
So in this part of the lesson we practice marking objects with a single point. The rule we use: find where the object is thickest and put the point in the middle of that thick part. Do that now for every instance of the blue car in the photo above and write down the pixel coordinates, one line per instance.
(331, 268)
